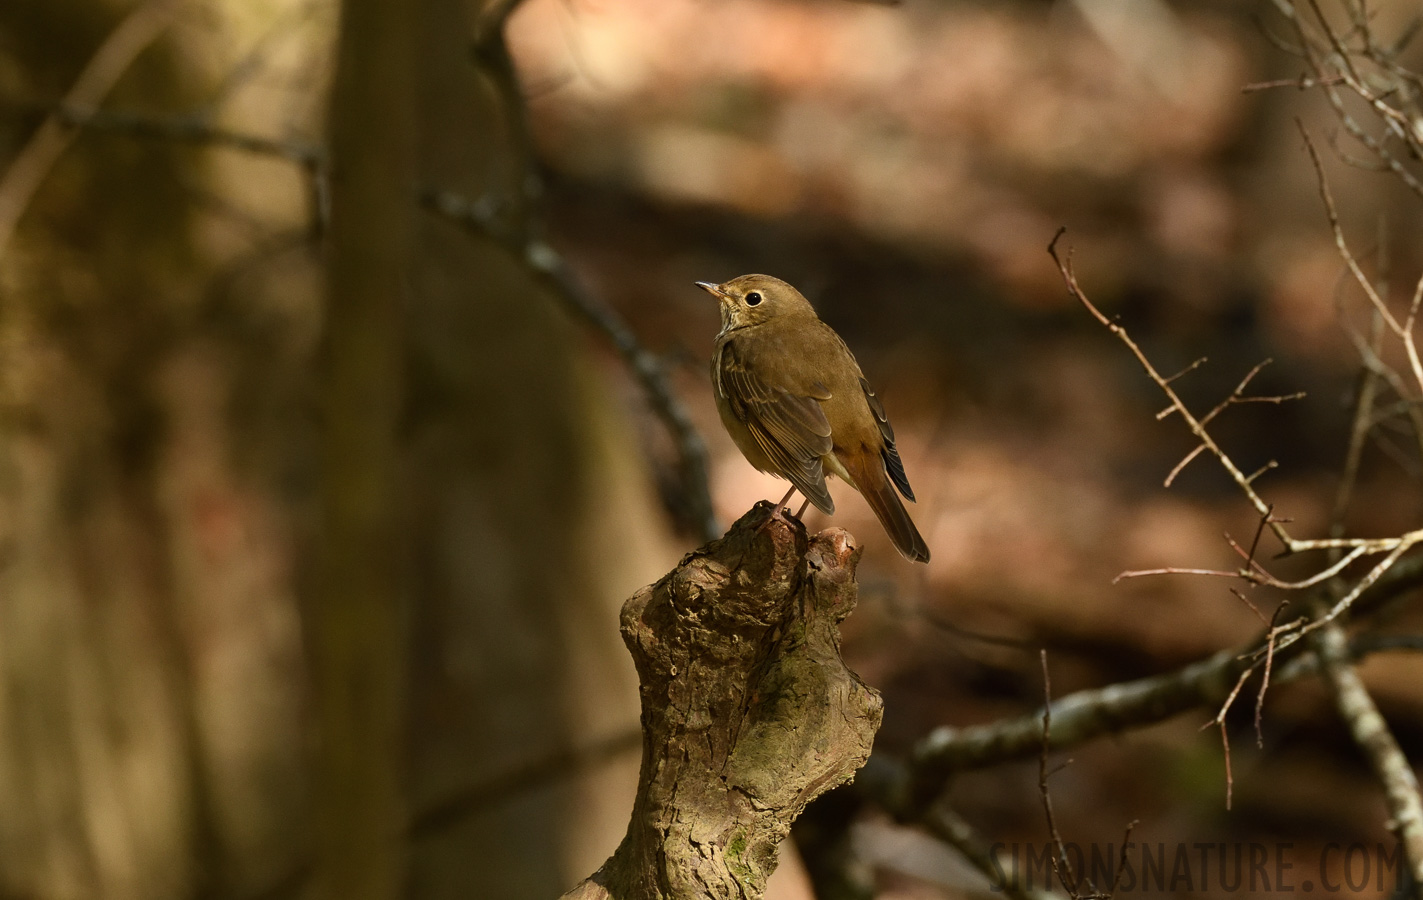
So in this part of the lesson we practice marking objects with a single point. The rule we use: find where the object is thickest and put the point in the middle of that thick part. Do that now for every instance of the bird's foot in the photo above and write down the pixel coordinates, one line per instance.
(778, 513)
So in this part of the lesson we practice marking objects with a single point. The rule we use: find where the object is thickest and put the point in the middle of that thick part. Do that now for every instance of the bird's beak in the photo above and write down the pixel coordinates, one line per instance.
(713, 289)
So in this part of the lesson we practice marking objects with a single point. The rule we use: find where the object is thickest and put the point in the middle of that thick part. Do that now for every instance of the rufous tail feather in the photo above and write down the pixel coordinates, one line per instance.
(874, 484)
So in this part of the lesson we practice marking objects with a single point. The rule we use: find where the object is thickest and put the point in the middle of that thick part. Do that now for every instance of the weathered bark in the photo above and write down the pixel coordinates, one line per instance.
(748, 711)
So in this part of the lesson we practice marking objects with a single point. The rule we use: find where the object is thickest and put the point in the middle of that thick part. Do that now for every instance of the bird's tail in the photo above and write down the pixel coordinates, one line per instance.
(873, 482)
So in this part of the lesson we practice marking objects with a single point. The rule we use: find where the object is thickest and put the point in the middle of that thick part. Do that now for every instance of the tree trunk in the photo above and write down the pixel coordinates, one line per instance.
(533, 517)
(355, 620)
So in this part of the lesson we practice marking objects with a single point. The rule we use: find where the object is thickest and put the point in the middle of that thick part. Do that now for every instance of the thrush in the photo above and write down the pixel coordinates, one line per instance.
(797, 405)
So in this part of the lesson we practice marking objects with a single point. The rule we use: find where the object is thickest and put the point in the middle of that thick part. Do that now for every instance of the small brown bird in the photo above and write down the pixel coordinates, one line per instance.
(795, 402)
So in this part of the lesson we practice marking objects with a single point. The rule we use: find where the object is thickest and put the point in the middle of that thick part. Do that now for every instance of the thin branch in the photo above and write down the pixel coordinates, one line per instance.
(1317, 578)
(1219, 722)
(1369, 354)
(1394, 120)
(1086, 715)
(490, 52)
(1175, 570)
(196, 129)
(1252, 607)
(1236, 396)
(1303, 82)
(1406, 543)
(1064, 264)
(1369, 351)
(520, 238)
(1361, 647)
(113, 58)
(1255, 542)
(1403, 794)
(1393, 451)
(1257, 574)
(538, 257)
(1378, 302)
(1191, 368)
(944, 823)
(1061, 865)
(1393, 547)
(1122, 860)
(1351, 697)
(1185, 461)
(1265, 677)
(458, 807)
(1323, 41)
(192, 130)
(550, 268)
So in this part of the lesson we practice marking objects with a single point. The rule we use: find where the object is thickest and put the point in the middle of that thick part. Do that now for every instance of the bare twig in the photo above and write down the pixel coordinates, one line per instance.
(1254, 572)
(1369, 354)
(490, 52)
(456, 808)
(1219, 722)
(1171, 476)
(1176, 570)
(1085, 715)
(1272, 464)
(1351, 697)
(1197, 428)
(1393, 547)
(1403, 330)
(1405, 544)
(1061, 865)
(1071, 881)
(114, 56)
(1334, 64)
(1123, 859)
(518, 234)
(196, 129)
(1252, 607)
(1186, 371)
(947, 825)
(1265, 677)
(1303, 82)
(190, 129)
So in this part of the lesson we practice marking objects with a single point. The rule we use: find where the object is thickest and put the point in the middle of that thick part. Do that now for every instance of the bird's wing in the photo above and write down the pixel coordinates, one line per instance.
(789, 426)
(892, 463)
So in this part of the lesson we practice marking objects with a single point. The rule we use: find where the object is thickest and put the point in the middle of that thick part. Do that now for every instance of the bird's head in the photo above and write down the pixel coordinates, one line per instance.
(752, 299)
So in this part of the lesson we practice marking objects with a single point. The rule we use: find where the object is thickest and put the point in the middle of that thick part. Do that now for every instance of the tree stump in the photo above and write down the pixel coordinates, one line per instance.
(748, 711)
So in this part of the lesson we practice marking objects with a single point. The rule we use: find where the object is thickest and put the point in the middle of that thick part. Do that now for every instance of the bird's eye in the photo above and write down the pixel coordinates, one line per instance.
(753, 298)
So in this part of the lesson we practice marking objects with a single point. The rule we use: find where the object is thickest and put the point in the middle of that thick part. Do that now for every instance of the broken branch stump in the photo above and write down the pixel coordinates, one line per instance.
(748, 711)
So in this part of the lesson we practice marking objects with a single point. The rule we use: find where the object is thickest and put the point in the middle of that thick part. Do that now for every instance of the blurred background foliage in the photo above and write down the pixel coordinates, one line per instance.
(905, 166)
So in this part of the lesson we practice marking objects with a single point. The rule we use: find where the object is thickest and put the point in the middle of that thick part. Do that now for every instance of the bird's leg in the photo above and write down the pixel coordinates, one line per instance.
(786, 499)
(776, 512)
(800, 512)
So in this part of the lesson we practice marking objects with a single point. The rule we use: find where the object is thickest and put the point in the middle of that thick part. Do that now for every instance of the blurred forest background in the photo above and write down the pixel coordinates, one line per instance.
(166, 413)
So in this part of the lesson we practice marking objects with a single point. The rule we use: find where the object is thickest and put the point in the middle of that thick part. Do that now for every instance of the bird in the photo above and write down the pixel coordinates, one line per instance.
(796, 404)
